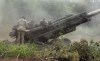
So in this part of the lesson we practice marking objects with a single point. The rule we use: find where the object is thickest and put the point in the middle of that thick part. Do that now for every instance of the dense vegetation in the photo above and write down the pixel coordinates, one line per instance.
(76, 51)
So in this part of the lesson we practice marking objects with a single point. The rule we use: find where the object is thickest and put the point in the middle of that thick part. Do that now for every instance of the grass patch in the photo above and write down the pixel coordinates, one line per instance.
(76, 51)
(14, 50)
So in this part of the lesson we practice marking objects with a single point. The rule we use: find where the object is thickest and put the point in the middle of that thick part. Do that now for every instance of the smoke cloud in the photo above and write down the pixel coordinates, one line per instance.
(12, 10)
(89, 30)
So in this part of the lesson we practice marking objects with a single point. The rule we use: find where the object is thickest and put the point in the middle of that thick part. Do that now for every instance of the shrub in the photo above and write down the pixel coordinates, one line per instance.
(83, 49)
(95, 49)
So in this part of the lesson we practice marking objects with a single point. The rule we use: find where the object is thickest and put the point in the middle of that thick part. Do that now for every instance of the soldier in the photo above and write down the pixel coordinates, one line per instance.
(43, 23)
(49, 23)
(21, 29)
(31, 24)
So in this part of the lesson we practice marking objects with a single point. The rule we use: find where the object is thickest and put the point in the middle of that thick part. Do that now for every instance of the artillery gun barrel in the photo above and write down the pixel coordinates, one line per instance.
(93, 13)
(64, 25)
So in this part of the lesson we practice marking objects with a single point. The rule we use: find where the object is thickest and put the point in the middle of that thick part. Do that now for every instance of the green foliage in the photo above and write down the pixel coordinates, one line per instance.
(95, 48)
(74, 52)
(3, 47)
(58, 50)
(14, 50)
(83, 49)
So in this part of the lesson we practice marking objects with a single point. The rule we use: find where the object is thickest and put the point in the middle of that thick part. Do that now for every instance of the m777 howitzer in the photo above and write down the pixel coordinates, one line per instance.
(60, 27)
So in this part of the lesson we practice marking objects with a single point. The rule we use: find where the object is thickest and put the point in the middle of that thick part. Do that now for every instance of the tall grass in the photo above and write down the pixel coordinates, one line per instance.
(14, 50)
(76, 51)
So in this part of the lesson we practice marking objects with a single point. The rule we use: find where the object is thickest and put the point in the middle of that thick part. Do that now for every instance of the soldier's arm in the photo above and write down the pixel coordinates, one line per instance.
(26, 24)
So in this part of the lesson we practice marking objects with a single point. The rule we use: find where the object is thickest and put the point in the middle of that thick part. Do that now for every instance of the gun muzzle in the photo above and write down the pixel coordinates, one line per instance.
(93, 13)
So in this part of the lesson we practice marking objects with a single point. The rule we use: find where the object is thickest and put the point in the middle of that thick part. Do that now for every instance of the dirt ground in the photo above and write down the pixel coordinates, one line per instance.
(26, 59)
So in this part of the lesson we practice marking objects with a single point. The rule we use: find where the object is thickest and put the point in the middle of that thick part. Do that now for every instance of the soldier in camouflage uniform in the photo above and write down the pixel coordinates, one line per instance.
(31, 24)
(43, 23)
(21, 29)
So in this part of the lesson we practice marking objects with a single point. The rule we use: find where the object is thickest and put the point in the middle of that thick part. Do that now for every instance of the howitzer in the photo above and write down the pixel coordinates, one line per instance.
(60, 27)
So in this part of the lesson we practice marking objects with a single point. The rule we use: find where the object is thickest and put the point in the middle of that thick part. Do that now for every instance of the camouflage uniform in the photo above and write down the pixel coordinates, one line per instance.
(21, 29)
(31, 25)
(43, 23)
